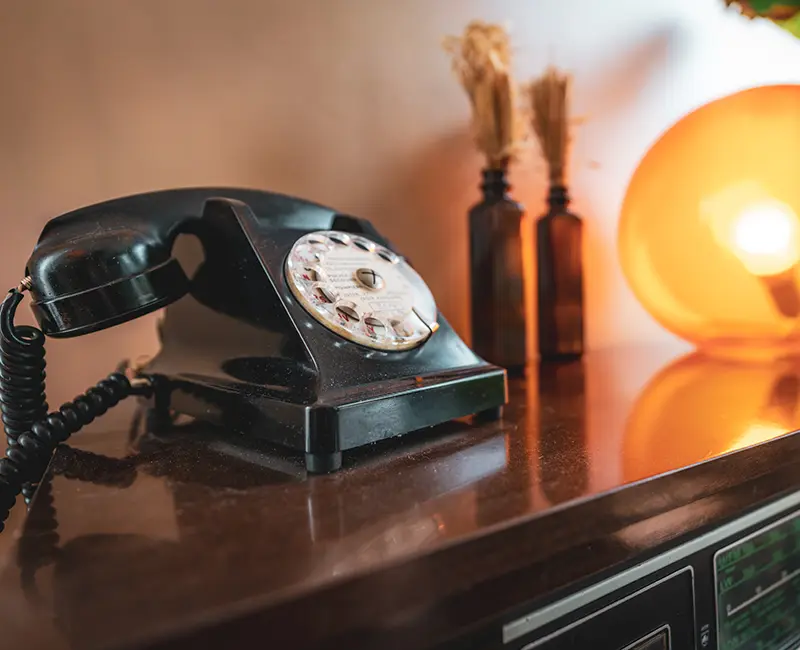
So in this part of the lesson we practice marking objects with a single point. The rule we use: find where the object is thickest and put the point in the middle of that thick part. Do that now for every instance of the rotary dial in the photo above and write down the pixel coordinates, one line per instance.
(361, 290)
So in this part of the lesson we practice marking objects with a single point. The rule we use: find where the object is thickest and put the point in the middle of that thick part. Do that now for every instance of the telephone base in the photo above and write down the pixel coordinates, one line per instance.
(323, 463)
(490, 414)
(350, 418)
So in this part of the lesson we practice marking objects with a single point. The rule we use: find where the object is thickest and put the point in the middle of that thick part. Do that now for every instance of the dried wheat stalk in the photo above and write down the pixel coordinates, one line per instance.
(482, 62)
(548, 98)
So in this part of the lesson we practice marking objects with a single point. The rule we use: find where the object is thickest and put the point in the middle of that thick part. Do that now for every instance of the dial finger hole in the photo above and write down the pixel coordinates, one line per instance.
(364, 244)
(324, 294)
(339, 238)
(309, 254)
(319, 240)
(402, 328)
(347, 312)
(313, 274)
(375, 327)
(388, 255)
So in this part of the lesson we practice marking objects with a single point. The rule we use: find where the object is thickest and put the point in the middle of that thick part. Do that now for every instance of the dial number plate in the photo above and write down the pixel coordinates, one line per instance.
(361, 290)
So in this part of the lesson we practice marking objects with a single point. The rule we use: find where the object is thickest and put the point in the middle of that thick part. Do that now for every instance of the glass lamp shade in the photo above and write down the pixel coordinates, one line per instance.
(709, 233)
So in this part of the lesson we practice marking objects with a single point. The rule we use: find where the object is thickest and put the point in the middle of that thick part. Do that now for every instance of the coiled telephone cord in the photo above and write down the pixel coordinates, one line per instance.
(33, 434)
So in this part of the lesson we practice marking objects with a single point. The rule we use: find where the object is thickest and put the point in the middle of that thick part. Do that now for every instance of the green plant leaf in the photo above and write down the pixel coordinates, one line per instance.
(765, 6)
(792, 25)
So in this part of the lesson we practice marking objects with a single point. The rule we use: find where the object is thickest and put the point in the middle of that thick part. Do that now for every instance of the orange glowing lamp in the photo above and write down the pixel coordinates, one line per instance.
(709, 235)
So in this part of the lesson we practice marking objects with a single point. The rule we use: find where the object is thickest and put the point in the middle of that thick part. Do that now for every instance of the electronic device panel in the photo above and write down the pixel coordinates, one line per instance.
(758, 590)
(736, 587)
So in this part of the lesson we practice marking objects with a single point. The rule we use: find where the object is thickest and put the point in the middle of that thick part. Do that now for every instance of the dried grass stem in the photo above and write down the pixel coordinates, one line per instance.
(481, 60)
(548, 98)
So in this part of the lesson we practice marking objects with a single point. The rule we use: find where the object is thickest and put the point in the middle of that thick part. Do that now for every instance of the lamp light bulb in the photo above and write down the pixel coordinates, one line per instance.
(763, 234)
(764, 237)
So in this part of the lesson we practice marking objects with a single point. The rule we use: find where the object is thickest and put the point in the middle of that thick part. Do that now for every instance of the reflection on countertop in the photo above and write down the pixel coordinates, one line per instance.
(700, 407)
(138, 532)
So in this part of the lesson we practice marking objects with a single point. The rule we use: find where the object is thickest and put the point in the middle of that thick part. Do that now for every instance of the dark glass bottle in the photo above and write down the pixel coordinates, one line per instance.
(559, 248)
(497, 276)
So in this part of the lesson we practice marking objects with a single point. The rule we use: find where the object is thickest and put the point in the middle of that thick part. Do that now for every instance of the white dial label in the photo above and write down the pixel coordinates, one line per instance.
(361, 290)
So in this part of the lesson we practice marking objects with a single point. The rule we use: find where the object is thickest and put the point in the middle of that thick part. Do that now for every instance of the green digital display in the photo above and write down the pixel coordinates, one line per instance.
(758, 590)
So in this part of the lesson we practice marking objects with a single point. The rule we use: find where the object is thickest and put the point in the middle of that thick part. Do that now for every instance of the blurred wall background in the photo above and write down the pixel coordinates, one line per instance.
(349, 103)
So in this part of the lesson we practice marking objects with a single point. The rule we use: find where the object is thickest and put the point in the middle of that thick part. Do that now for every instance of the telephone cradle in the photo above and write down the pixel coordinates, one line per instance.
(299, 326)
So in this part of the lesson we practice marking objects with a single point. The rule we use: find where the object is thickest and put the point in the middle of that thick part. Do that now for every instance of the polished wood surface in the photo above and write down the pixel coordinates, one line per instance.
(191, 539)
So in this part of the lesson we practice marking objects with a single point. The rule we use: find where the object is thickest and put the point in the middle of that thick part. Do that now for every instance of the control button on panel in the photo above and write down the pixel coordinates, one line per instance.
(656, 641)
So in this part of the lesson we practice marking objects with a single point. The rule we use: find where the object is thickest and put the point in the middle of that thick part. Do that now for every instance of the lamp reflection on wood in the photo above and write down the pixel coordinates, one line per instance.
(699, 407)
(777, 417)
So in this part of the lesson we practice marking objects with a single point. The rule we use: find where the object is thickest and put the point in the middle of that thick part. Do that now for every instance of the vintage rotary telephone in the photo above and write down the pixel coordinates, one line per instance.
(301, 326)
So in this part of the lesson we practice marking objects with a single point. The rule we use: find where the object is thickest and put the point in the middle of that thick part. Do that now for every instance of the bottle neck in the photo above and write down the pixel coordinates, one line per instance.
(495, 185)
(558, 198)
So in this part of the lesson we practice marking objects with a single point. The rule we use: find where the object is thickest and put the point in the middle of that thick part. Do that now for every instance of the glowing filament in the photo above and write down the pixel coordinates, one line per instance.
(764, 236)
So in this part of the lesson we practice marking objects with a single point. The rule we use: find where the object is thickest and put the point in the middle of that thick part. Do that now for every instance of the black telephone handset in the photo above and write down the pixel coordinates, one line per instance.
(301, 326)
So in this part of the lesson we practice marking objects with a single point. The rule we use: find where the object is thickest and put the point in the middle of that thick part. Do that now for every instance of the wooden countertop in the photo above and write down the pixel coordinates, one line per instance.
(195, 539)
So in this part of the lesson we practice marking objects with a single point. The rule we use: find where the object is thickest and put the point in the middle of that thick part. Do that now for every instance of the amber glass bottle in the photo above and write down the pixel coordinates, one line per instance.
(497, 275)
(559, 263)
